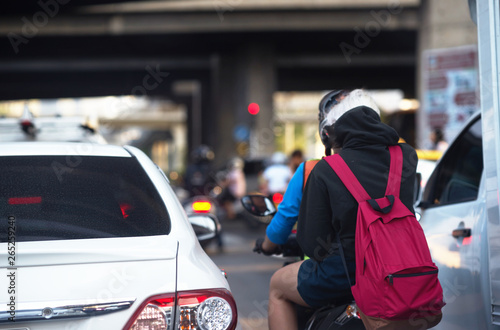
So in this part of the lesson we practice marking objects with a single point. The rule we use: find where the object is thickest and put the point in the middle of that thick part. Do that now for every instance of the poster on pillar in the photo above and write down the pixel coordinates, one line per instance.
(450, 88)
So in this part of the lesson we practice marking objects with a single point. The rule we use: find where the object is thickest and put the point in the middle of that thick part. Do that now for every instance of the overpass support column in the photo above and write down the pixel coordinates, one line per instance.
(261, 78)
(244, 76)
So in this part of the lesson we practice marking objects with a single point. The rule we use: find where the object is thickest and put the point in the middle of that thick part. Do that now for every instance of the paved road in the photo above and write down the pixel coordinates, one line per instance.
(248, 273)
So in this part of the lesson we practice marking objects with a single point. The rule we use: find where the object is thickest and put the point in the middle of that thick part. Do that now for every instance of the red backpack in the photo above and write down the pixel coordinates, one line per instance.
(395, 276)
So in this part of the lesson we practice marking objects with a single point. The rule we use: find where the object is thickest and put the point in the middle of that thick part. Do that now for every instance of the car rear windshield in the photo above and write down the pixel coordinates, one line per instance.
(65, 197)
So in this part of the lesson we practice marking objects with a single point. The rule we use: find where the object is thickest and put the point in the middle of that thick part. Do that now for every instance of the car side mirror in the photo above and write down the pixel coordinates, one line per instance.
(259, 205)
(473, 11)
(205, 226)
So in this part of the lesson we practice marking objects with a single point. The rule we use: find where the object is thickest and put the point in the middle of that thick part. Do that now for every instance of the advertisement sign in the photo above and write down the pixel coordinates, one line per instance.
(450, 88)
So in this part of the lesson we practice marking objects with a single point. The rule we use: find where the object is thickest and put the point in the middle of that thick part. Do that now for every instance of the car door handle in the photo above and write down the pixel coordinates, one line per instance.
(461, 232)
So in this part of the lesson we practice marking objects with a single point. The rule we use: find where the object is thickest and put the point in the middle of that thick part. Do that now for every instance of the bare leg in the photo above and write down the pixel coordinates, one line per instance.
(282, 296)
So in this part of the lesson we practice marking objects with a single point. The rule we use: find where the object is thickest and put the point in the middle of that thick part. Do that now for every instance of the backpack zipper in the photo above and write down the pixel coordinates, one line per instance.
(391, 276)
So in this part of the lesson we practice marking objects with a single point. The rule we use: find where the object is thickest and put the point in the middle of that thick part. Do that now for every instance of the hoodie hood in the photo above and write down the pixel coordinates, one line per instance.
(359, 127)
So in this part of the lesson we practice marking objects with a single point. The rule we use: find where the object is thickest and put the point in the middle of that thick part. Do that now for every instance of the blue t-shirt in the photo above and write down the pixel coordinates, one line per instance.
(288, 210)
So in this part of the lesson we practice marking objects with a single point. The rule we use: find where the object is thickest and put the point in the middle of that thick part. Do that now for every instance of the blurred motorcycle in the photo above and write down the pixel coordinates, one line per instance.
(201, 204)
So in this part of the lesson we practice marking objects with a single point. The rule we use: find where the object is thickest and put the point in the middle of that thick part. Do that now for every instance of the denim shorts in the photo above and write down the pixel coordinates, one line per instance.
(324, 283)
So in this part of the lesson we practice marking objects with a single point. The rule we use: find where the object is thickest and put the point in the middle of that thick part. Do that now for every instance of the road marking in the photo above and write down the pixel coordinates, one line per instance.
(253, 323)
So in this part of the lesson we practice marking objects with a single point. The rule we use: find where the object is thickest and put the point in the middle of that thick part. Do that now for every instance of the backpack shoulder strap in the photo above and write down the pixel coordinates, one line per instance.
(308, 167)
(347, 177)
(395, 171)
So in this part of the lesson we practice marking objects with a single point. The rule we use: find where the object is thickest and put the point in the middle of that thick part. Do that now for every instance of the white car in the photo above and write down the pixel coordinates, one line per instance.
(93, 237)
(427, 160)
(47, 129)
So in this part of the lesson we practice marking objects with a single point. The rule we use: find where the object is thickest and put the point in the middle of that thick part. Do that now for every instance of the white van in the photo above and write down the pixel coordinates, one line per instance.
(460, 206)
(454, 221)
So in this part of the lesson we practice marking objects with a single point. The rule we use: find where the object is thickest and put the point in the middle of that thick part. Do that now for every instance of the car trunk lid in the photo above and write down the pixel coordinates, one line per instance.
(94, 282)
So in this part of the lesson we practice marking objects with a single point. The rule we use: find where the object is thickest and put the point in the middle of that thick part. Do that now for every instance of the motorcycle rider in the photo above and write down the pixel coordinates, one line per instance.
(235, 186)
(277, 175)
(199, 176)
(296, 158)
(353, 127)
(284, 220)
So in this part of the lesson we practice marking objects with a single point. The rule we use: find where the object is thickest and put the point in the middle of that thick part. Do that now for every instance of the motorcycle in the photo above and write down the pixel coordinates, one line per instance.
(343, 316)
(204, 205)
(216, 193)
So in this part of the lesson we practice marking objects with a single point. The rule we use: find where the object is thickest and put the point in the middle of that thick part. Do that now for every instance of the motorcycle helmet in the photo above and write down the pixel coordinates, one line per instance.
(334, 105)
(202, 153)
(236, 163)
(325, 105)
(278, 158)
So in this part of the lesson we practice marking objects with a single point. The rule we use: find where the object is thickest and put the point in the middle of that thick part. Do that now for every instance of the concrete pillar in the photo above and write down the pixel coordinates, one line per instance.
(244, 76)
(226, 94)
(261, 84)
(444, 24)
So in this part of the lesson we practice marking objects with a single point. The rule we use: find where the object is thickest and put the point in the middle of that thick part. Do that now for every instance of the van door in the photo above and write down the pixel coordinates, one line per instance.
(488, 32)
(453, 220)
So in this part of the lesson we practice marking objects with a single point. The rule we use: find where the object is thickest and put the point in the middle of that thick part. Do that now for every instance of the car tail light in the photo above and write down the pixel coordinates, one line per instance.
(202, 309)
(24, 200)
(202, 206)
(26, 122)
(277, 198)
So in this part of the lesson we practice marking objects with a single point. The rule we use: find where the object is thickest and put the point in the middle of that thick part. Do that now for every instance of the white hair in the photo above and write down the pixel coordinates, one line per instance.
(356, 98)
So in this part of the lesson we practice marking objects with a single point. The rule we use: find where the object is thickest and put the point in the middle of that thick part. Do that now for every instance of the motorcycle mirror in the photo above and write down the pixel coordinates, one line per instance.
(258, 205)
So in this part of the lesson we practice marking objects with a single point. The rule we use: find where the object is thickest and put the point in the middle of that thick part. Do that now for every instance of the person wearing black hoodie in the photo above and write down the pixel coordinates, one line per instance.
(355, 131)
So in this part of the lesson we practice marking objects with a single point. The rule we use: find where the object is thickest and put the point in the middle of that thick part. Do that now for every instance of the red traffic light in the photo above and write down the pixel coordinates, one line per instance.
(253, 108)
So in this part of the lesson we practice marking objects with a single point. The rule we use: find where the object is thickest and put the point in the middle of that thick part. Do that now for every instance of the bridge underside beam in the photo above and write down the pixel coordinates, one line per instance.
(375, 19)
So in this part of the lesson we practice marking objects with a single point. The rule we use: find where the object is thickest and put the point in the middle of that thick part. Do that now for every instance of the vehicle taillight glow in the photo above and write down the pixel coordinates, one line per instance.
(26, 122)
(28, 127)
(277, 198)
(125, 208)
(202, 206)
(202, 309)
(467, 240)
(24, 200)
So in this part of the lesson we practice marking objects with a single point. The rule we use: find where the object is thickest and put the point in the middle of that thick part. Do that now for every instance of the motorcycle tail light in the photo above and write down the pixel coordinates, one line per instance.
(192, 310)
(202, 206)
(277, 198)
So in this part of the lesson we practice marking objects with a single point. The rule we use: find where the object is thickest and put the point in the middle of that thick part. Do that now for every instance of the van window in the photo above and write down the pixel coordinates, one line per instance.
(457, 177)
(58, 197)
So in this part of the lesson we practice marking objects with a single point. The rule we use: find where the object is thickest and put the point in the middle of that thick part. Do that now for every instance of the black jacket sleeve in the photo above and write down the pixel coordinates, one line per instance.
(315, 233)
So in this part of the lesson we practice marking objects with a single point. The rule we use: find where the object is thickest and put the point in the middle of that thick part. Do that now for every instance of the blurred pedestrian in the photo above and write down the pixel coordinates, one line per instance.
(296, 158)
(277, 175)
(235, 186)
(438, 141)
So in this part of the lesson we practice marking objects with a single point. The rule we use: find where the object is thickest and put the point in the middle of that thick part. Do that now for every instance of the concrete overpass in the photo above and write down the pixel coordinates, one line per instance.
(214, 56)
